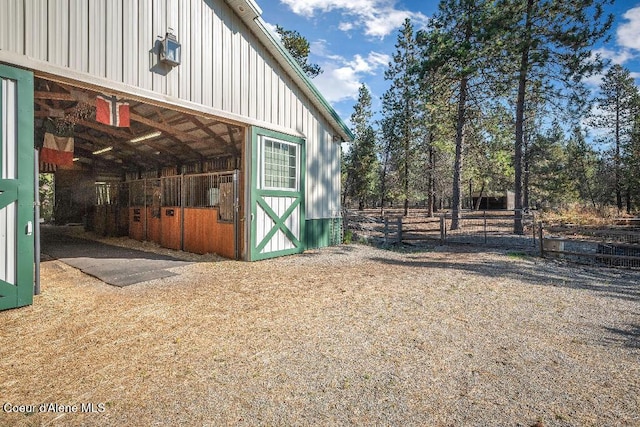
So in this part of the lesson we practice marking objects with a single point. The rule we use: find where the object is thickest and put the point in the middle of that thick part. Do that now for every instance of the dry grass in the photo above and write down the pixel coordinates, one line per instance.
(582, 215)
(345, 335)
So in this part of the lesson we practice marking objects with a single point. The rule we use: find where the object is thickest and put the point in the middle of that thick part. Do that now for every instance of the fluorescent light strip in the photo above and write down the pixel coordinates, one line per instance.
(145, 137)
(102, 151)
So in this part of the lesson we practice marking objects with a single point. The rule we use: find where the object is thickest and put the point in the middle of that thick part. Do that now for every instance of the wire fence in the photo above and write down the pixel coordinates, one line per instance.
(617, 246)
(488, 228)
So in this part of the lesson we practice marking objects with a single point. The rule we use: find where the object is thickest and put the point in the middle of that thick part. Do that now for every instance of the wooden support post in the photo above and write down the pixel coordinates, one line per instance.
(399, 229)
(485, 227)
(442, 229)
(533, 227)
(386, 230)
(540, 230)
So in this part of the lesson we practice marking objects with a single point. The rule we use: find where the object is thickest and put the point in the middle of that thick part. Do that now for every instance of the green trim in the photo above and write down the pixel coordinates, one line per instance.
(302, 75)
(9, 192)
(279, 223)
(257, 199)
(323, 232)
(25, 193)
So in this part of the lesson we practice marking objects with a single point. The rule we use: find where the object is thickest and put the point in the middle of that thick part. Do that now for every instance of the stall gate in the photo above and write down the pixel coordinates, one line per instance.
(17, 193)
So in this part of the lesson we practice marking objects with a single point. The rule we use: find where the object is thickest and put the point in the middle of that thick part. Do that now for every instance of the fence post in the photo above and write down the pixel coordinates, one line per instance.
(533, 227)
(485, 226)
(540, 230)
(345, 224)
(386, 230)
(399, 229)
(442, 229)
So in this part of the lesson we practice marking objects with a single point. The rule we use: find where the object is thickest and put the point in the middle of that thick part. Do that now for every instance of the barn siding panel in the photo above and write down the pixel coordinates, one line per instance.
(12, 30)
(115, 47)
(130, 40)
(58, 35)
(36, 45)
(97, 38)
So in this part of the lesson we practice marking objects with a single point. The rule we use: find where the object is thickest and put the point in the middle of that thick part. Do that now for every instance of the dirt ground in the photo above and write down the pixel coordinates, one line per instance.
(349, 335)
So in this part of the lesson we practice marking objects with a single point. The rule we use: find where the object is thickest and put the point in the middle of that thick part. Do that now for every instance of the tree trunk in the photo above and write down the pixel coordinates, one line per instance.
(383, 179)
(519, 143)
(525, 179)
(479, 202)
(457, 167)
(431, 179)
(406, 182)
(618, 160)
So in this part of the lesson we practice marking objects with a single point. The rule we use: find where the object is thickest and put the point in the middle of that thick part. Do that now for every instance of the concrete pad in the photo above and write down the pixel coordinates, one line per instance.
(112, 264)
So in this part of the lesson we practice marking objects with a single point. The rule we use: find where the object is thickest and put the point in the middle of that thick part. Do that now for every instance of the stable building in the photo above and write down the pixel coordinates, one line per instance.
(182, 122)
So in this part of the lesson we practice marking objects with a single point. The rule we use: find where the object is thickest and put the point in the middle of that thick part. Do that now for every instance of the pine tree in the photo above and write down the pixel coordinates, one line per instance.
(460, 44)
(298, 47)
(584, 163)
(549, 40)
(401, 111)
(551, 176)
(616, 113)
(361, 162)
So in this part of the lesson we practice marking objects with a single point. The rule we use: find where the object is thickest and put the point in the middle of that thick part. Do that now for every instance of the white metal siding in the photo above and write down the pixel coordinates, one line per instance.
(224, 66)
(12, 29)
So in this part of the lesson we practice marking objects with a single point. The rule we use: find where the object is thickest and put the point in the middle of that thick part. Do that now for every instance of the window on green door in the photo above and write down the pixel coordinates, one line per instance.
(279, 165)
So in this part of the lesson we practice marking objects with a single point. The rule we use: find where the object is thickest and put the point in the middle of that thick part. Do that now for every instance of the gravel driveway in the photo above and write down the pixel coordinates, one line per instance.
(350, 335)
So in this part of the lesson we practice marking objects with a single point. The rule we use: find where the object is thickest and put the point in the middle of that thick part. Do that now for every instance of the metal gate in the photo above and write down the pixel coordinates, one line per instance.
(17, 193)
(277, 195)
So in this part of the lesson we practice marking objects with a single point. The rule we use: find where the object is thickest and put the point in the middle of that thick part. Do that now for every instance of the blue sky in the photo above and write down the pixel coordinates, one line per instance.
(353, 40)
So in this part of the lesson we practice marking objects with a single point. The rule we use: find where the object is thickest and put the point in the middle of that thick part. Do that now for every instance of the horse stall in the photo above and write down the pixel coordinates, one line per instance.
(195, 212)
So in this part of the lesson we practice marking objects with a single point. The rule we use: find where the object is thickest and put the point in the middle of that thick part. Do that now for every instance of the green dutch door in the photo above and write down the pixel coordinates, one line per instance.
(277, 195)
(17, 193)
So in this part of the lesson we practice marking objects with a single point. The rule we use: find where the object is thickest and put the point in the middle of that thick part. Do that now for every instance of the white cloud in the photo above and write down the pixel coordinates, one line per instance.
(378, 18)
(629, 32)
(617, 57)
(272, 28)
(342, 78)
(346, 26)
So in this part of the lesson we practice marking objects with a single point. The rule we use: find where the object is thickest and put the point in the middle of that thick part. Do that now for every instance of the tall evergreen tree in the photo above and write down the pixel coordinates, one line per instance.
(583, 161)
(458, 45)
(616, 114)
(549, 40)
(551, 176)
(401, 110)
(361, 162)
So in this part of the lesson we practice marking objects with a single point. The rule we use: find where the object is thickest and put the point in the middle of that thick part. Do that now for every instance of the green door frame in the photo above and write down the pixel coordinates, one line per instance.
(20, 190)
(257, 198)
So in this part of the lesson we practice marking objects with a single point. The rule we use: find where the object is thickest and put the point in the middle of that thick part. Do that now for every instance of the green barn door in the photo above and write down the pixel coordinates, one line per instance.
(277, 195)
(17, 194)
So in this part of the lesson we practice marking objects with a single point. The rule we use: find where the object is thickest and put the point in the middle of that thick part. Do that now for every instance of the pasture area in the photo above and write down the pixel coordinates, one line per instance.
(347, 335)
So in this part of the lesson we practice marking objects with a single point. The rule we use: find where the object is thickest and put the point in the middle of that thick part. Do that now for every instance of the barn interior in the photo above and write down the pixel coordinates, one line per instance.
(173, 176)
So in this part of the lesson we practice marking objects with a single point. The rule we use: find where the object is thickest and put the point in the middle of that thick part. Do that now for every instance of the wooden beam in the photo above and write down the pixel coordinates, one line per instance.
(164, 128)
(215, 136)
